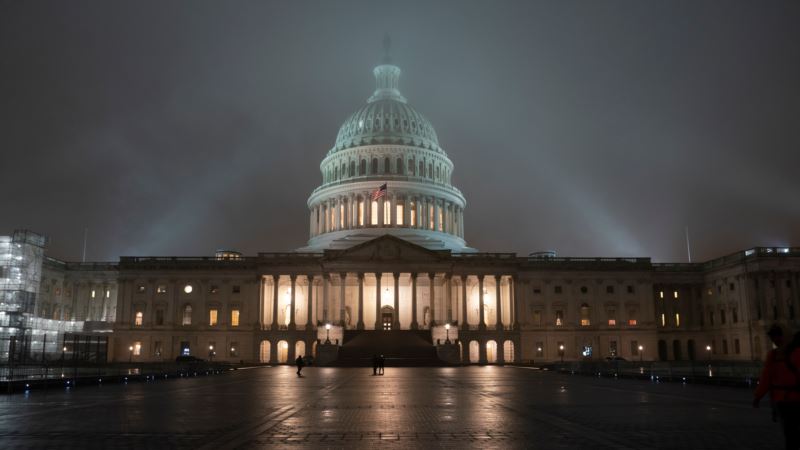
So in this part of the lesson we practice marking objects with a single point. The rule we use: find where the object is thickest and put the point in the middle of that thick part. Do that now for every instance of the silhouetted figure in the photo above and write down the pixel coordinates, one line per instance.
(781, 378)
(381, 361)
(375, 365)
(300, 363)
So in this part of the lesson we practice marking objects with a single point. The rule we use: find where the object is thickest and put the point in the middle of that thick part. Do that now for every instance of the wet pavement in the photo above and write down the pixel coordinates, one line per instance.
(471, 407)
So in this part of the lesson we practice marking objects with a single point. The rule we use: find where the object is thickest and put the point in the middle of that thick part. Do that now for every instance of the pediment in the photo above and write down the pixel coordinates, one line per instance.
(387, 248)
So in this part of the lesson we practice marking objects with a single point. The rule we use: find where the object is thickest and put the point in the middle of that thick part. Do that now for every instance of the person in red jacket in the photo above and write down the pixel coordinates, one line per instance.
(781, 378)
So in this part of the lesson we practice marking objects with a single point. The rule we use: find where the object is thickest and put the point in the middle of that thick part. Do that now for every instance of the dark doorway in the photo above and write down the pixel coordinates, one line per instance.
(662, 350)
(676, 350)
(691, 350)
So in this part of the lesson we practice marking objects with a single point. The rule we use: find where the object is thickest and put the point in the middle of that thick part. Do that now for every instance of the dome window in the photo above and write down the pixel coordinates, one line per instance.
(360, 124)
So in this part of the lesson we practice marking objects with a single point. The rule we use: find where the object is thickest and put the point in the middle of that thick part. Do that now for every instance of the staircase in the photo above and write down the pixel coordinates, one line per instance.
(401, 348)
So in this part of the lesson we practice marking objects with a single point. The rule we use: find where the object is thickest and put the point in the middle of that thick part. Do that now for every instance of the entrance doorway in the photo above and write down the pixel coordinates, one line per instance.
(387, 317)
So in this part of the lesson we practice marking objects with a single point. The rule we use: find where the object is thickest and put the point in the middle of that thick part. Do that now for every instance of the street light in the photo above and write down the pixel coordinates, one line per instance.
(327, 333)
(561, 352)
(211, 353)
(447, 333)
(130, 354)
(708, 352)
(641, 351)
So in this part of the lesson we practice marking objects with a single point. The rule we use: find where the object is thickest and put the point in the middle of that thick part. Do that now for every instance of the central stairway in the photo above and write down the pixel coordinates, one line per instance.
(401, 348)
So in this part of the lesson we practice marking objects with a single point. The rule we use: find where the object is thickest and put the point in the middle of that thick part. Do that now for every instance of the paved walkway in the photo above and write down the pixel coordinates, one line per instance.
(473, 407)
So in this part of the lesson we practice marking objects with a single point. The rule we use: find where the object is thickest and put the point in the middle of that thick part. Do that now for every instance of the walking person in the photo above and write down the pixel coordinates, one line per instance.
(299, 362)
(381, 361)
(781, 378)
(374, 365)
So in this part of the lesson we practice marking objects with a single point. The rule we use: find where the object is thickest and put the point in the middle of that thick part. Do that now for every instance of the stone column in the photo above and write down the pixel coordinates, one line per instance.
(406, 211)
(342, 292)
(326, 281)
(292, 307)
(448, 280)
(260, 302)
(514, 322)
(377, 300)
(367, 209)
(433, 299)
(275, 280)
(393, 210)
(481, 324)
(381, 201)
(498, 303)
(310, 301)
(465, 323)
(396, 319)
(436, 209)
(482, 350)
(414, 323)
(360, 324)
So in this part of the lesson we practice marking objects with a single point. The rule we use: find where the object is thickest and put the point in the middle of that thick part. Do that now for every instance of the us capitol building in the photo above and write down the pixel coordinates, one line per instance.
(387, 270)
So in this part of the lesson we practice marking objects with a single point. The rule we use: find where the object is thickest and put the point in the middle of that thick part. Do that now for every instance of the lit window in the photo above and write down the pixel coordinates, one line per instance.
(138, 321)
(399, 212)
(559, 318)
(612, 322)
(187, 315)
(441, 220)
(663, 320)
(413, 212)
(234, 317)
(430, 216)
(94, 293)
(632, 322)
(387, 212)
(373, 219)
(661, 294)
(584, 322)
(161, 289)
(137, 348)
(341, 215)
(188, 289)
(677, 319)
(212, 317)
(361, 213)
(585, 312)
(675, 294)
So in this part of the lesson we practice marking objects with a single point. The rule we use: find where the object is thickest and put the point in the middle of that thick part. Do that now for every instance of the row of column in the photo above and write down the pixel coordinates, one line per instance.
(356, 210)
(395, 282)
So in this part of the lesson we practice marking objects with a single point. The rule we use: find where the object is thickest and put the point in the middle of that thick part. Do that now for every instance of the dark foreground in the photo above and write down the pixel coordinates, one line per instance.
(472, 407)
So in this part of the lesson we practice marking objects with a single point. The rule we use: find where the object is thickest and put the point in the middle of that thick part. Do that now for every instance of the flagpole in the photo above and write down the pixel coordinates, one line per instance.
(688, 247)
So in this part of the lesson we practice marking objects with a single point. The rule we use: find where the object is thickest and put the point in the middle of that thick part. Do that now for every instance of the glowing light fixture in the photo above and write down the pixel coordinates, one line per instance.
(188, 289)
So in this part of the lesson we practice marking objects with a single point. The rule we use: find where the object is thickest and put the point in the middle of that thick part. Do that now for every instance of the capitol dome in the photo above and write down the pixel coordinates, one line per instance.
(386, 174)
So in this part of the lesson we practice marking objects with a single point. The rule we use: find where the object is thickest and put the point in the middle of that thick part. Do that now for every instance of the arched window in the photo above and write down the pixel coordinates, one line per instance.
(187, 315)
(374, 166)
(283, 352)
(437, 174)
(387, 165)
(399, 168)
(336, 173)
(411, 167)
(491, 352)
(474, 351)
(352, 168)
(264, 351)
(430, 170)
(362, 170)
(508, 351)
(138, 320)
(299, 348)
(421, 169)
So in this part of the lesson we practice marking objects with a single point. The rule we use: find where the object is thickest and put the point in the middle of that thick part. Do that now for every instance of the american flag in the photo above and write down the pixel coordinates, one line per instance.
(380, 192)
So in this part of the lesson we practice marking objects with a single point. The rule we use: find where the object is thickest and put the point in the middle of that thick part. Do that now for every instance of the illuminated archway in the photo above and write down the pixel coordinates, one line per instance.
(264, 351)
(508, 351)
(474, 351)
(299, 348)
(491, 352)
(283, 352)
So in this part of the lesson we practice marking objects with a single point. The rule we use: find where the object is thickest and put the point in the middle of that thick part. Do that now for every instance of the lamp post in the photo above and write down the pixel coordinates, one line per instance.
(561, 352)
(447, 333)
(63, 350)
(708, 352)
(538, 352)
(327, 333)
(641, 353)
(211, 353)
(130, 354)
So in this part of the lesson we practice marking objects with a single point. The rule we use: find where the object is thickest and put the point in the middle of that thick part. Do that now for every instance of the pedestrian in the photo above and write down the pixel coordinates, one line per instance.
(374, 365)
(381, 361)
(300, 363)
(781, 378)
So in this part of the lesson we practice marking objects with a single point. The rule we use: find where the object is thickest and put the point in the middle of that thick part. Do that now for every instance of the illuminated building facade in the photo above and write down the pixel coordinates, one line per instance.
(394, 262)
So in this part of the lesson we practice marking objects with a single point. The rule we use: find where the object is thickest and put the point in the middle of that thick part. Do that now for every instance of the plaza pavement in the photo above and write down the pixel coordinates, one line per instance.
(470, 407)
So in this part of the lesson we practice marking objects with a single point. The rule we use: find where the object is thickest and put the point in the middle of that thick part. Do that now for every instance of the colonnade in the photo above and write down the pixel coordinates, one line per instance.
(358, 210)
(446, 300)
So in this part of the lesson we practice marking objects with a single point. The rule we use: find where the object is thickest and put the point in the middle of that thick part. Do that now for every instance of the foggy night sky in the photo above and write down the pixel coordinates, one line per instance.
(589, 128)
